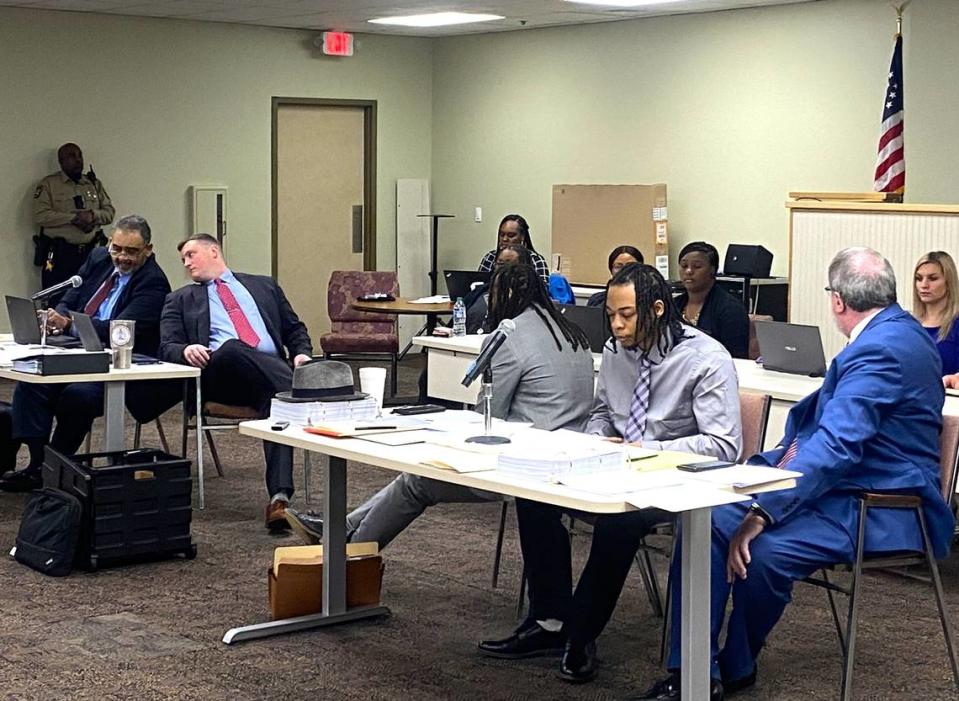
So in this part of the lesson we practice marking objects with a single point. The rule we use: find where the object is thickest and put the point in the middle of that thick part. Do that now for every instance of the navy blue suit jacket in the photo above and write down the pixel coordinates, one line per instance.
(186, 319)
(141, 299)
(873, 426)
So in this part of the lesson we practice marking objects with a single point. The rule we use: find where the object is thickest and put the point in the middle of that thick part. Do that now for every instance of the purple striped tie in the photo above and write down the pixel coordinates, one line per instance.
(636, 422)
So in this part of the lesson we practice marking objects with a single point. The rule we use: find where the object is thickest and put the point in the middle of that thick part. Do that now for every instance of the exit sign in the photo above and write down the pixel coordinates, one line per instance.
(337, 43)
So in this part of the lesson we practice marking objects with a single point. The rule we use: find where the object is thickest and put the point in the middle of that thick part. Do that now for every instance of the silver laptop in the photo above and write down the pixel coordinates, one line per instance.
(793, 348)
(88, 335)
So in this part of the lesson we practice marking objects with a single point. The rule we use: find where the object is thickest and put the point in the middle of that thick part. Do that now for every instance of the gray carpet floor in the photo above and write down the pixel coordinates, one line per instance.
(153, 631)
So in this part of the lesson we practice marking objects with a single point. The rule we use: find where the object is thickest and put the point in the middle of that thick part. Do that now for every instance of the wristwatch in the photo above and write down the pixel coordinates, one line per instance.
(759, 511)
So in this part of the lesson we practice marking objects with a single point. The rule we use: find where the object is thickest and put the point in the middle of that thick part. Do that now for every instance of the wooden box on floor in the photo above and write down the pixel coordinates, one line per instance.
(296, 579)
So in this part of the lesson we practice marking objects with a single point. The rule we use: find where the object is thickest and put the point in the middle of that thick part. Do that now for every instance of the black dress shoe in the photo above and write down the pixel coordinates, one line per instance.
(306, 525)
(668, 689)
(579, 663)
(22, 481)
(734, 685)
(529, 640)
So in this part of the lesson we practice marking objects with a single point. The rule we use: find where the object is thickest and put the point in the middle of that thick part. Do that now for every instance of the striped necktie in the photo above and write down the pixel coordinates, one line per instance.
(101, 294)
(636, 422)
(244, 330)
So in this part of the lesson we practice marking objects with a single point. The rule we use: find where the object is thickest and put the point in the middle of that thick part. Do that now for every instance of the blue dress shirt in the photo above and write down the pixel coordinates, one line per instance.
(105, 311)
(221, 327)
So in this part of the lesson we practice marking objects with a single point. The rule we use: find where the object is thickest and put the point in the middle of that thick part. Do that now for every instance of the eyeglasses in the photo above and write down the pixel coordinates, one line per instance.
(129, 250)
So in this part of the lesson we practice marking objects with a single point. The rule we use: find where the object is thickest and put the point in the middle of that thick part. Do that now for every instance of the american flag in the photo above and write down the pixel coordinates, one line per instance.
(891, 159)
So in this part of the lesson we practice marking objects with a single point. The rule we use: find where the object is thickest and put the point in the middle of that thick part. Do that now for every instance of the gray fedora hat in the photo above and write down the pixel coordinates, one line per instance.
(322, 381)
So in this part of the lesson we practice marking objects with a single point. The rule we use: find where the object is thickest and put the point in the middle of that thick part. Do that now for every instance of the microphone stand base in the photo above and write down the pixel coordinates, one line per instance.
(489, 440)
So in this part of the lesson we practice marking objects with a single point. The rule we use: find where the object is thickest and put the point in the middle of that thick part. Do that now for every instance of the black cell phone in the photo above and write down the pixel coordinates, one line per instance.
(412, 409)
(279, 425)
(703, 466)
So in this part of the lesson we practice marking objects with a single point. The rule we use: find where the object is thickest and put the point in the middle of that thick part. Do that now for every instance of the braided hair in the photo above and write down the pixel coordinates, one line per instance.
(650, 288)
(516, 287)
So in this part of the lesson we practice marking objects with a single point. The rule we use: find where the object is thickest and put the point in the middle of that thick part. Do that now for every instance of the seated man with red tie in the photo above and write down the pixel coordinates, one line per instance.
(121, 281)
(242, 332)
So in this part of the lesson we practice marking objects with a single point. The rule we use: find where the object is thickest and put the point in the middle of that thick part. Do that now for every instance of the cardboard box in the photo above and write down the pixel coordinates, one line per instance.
(295, 581)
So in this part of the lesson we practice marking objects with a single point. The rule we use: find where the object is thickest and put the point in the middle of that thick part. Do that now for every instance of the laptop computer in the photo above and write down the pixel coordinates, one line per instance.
(793, 348)
(26, 327)
(592, 320)
(460, 282)
(88, 335)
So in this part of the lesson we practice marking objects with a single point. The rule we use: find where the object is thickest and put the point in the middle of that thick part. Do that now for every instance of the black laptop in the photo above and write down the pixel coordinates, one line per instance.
(592, 320)
(26, 327)
(460, 282)
(793, 348)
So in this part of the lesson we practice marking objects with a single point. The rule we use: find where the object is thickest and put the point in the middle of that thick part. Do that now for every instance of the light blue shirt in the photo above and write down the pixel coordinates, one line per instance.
(221, 327)
(106, 306)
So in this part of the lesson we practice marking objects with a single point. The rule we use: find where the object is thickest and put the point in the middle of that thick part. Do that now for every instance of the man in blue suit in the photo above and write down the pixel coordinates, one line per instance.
(121, 281)
(873, 426)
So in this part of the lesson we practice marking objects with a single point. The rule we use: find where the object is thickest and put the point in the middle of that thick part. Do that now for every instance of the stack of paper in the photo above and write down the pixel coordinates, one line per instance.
(546, 455)
(310, 413)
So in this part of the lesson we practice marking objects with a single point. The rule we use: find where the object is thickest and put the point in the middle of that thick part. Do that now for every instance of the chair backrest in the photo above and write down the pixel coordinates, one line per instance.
(347, 285)
(754, 413)
(948, 456)
(753, 341)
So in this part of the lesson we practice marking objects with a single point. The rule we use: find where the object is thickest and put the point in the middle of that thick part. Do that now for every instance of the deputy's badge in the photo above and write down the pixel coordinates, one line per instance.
(37, 192)
(49, 263)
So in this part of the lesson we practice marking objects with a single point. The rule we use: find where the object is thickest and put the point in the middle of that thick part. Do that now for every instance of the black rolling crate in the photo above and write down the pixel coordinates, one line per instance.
(136, 504)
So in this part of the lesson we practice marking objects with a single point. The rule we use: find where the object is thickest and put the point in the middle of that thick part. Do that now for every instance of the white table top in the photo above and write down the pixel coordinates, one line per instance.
(156, 371)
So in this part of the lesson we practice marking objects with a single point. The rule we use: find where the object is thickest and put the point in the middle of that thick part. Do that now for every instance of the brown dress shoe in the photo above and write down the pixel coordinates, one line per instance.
(276, 516)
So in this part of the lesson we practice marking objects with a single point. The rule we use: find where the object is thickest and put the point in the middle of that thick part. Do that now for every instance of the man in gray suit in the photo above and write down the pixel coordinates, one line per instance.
(542, 374)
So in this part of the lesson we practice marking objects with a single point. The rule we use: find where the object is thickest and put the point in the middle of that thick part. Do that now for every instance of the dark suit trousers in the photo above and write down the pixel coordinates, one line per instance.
(546, 555)
(242, 376)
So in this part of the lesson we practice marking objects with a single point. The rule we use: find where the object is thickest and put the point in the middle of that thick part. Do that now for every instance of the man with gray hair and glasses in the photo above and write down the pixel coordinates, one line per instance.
(872, 426)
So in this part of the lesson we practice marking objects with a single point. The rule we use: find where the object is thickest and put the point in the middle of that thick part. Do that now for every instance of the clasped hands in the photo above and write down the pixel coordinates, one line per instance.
(85, 220)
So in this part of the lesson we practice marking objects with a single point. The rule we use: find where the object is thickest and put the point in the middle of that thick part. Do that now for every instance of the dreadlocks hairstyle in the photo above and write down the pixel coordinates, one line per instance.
(523, 229)
(516, 287)
(650, 288)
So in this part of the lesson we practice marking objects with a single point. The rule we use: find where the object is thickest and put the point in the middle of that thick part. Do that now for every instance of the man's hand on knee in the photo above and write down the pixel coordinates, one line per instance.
(739, 557)
(196, 355)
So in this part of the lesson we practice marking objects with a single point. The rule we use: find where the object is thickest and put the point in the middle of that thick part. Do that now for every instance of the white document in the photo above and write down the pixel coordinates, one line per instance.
(395, 438)
(435, 299)
(460, 460)
(684, 497)
(623, 481)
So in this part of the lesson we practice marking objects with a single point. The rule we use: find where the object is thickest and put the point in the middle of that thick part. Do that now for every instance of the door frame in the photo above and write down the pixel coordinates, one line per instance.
(369, 170)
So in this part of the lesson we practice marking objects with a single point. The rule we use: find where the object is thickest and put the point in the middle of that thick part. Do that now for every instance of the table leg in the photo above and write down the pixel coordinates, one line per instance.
(201, 492)
(334, 571)
(114, 415)
(695, 649)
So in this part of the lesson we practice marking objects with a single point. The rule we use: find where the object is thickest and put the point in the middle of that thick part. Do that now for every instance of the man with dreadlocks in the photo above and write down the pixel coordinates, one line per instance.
(542, 374)
(662, 385)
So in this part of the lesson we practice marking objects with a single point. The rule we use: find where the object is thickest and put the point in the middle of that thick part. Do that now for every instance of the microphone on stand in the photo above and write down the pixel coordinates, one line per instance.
(482, 362)
(74, 281)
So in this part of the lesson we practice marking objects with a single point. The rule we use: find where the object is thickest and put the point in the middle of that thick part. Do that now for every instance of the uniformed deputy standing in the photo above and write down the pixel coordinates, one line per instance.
(69, 207)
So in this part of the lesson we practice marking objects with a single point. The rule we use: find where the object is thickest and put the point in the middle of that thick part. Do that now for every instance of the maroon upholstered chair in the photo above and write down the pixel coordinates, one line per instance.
(358, 335)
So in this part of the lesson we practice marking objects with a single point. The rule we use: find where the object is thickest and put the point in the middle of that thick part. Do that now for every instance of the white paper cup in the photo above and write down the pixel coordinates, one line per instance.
(373, 382)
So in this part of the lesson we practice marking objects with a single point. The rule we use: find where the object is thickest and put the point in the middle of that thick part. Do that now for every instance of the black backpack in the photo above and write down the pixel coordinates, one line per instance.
(8, 447)
(49, 530)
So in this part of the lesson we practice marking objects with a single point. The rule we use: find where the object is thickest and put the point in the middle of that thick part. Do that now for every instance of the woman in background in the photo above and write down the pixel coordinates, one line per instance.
(513, 229)
(935, 302)
(708, 307)
(619, 257)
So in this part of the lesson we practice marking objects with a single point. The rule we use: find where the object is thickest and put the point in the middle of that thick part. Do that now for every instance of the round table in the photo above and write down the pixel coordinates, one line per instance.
(401, 305)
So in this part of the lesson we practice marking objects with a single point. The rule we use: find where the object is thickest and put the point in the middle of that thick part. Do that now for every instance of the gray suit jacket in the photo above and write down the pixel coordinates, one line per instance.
(534, 381)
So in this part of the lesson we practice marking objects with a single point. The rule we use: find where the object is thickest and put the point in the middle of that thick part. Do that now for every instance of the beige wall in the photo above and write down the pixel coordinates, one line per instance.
(159, 105)
(732, 110)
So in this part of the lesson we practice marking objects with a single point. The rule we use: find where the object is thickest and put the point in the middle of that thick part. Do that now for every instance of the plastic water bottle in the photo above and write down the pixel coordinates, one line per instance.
(459, 318)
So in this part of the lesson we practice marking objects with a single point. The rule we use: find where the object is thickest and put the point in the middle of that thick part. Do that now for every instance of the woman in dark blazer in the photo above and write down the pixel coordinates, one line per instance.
(706, 305)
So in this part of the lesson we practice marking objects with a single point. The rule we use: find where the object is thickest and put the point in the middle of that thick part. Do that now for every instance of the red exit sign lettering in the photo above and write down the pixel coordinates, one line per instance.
(337, 43)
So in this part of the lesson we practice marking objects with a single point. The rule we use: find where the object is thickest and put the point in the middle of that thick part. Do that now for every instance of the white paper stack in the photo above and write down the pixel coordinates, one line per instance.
(309, 413)
(568, 453)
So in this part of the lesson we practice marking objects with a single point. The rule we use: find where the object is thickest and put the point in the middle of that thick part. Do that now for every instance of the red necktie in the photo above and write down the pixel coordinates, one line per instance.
(244, 330)
(101, 294)
(788, 455)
